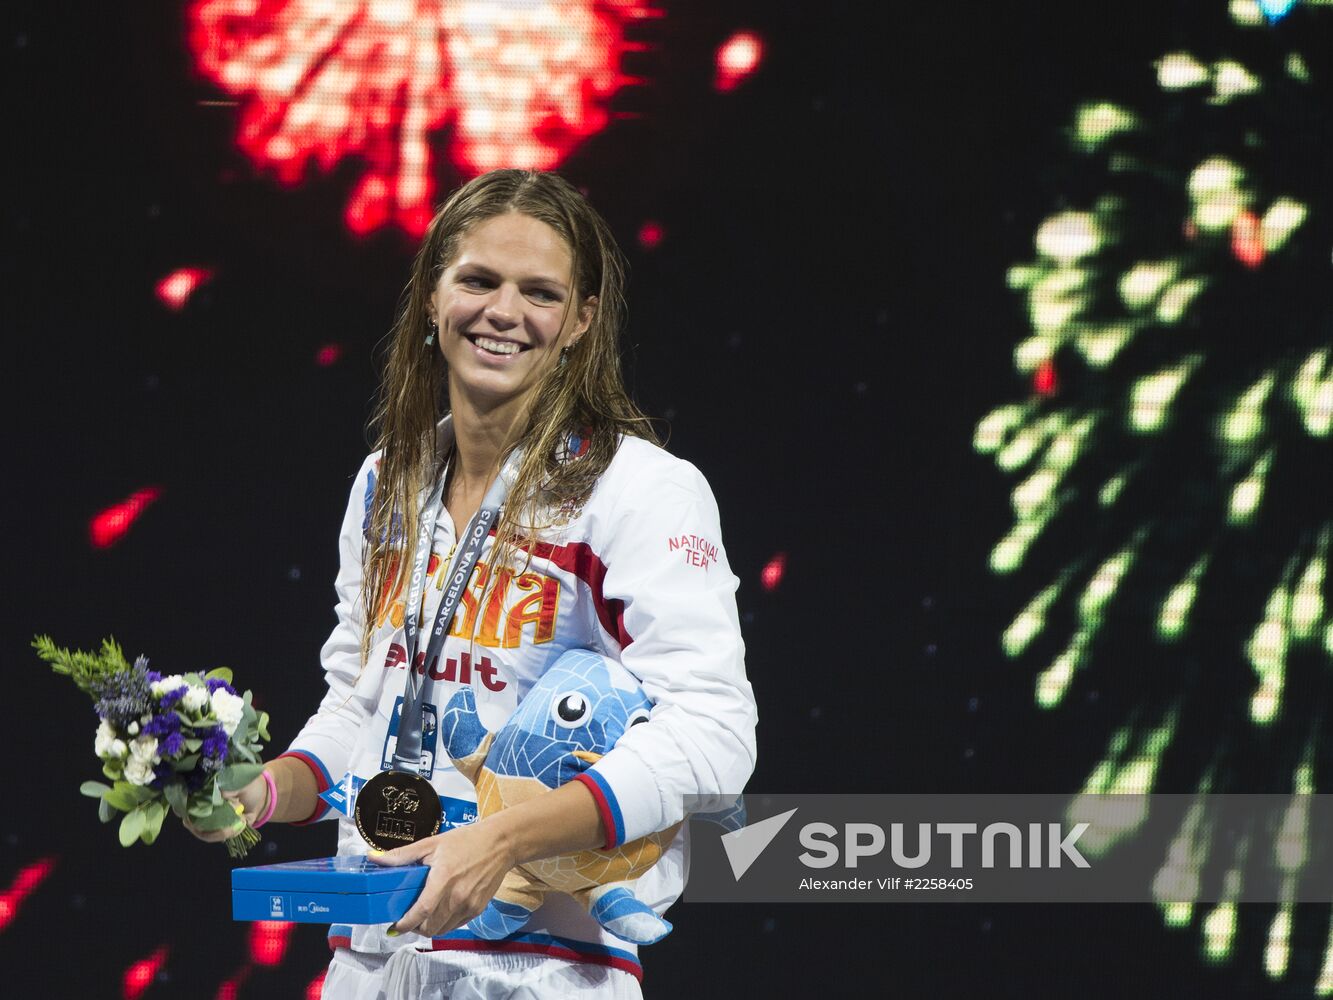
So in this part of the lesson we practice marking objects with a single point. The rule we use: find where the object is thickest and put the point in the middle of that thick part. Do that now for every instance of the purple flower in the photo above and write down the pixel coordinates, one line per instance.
(121, 698)
(170, 699)
(163, 724)
(167, 728)
(215, 743)
(217, 682)
(163, 774)
(171, 745)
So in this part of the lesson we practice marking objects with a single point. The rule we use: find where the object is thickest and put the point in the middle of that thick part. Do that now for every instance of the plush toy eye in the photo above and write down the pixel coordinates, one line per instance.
(570, 709)
(635, 717)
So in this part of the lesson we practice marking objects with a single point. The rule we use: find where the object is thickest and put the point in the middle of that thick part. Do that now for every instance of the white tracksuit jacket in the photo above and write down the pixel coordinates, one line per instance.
(639, 573)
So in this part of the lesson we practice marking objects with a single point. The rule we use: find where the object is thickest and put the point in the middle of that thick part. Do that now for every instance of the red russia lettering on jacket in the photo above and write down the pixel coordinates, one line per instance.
(501, 625)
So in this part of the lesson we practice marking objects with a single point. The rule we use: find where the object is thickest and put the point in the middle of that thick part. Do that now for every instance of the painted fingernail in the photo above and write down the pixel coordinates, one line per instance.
(375, 852)
(392, 932)
(240, 809)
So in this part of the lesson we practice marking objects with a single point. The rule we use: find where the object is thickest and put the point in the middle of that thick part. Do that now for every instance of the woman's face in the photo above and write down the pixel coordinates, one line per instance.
(503, 310)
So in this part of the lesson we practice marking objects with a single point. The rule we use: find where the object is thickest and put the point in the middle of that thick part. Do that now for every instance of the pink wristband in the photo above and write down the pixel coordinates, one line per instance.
(267, 814)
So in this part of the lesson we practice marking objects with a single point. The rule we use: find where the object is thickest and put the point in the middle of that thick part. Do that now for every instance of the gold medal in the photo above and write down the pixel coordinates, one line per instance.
(396, 808)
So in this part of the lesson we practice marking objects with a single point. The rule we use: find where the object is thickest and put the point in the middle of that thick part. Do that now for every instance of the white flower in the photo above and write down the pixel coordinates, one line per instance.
(134, 729)
(169, 683)
(139, 772)
(144, 750)
(228, 708)
(118, 749)
(106, 736)
(195, 698)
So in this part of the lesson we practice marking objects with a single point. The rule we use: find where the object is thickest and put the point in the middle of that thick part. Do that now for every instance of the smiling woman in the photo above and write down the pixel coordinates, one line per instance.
(502, 402)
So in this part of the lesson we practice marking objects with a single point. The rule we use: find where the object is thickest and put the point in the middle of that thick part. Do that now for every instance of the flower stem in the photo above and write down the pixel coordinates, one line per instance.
(239, 845)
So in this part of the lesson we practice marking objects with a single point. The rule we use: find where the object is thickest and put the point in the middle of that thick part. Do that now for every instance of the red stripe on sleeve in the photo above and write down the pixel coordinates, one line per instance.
(320, 784)
(603, 808)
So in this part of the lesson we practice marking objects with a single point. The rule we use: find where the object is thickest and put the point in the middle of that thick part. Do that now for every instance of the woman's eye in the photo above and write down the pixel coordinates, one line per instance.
(471, 281)
(543, 295)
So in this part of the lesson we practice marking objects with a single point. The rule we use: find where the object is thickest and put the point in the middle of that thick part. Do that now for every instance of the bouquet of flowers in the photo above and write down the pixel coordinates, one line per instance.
(175, 742)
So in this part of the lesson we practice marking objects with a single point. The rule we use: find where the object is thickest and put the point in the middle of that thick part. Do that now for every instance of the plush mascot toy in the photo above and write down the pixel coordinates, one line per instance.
(573, 715)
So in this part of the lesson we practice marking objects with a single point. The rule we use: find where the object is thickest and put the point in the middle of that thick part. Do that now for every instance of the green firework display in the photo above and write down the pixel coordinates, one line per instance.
(1171, 454)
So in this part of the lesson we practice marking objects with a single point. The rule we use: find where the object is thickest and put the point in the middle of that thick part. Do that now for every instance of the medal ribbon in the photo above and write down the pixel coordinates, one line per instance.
(407, 753)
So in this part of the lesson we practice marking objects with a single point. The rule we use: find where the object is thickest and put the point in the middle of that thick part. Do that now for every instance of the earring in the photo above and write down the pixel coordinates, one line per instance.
(564, 357)
(430, 337)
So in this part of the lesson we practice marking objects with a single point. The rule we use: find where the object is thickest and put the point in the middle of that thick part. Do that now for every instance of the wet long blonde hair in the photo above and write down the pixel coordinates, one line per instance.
(584, 395)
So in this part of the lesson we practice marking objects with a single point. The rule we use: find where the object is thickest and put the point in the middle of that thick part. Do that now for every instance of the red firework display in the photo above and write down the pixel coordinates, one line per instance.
(175, 289)
(140, 975)
(520, 85)
(650, 234)
(1045, 380)
(269, 940)
(1247, 242)
(737, 59)
(773, 572)
(24, 885)
(108, 526)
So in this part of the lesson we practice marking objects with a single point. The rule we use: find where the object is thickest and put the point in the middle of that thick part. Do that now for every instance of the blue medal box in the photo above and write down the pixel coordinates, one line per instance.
(349, 890)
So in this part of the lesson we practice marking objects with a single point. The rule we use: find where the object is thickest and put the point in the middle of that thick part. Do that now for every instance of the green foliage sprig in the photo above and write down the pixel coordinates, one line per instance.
(83, 668)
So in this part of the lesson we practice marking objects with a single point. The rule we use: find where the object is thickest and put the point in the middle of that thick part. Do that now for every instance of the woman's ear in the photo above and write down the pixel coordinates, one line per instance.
(586, 312)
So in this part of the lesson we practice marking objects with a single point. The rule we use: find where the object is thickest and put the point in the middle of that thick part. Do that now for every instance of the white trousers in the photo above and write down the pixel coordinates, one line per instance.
(409, 974)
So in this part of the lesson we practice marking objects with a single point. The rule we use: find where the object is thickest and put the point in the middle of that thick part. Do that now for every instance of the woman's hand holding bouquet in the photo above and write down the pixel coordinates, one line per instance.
(175, 742)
